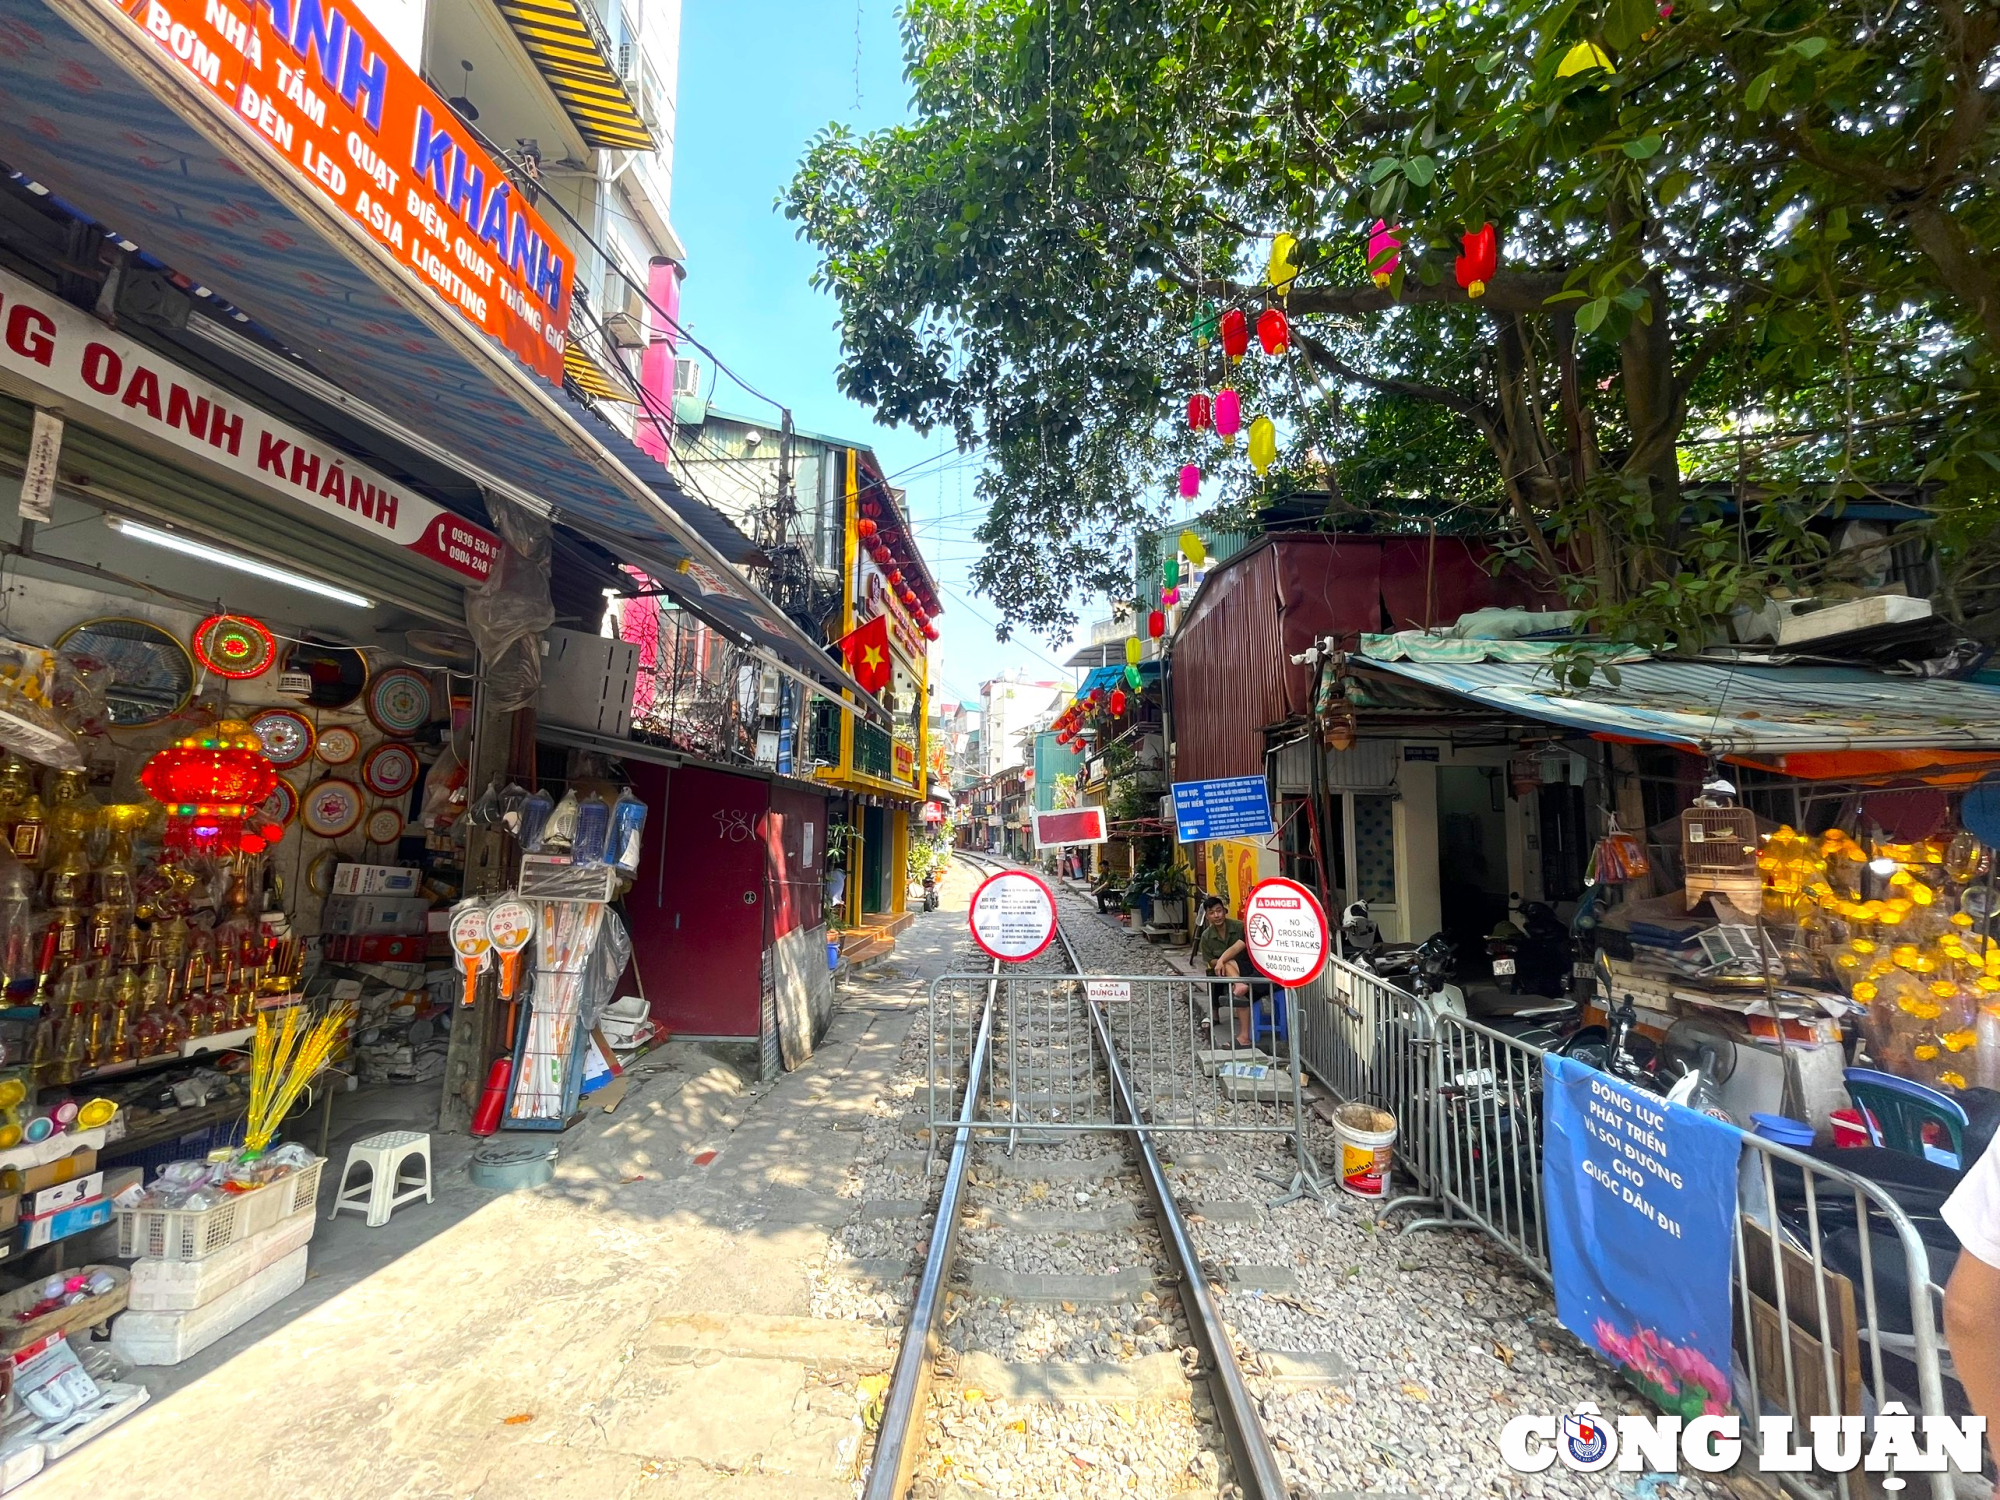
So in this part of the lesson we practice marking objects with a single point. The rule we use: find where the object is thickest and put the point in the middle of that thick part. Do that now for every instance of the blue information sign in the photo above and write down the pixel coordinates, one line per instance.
(1233, 807)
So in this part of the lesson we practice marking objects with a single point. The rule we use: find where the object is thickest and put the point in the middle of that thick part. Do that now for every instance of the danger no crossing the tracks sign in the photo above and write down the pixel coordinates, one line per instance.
(1013, 916)
(1285, 931)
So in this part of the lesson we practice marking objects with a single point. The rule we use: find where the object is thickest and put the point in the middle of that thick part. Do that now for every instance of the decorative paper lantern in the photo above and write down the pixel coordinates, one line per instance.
(930, 631)
(1202, 325)
(1584, 57)
(1235, 334)
(1156, 624)
(864, 528)
(1283, 268)
(1201, 412)
(1274, 332)
(1190, 481)
(910, 598)
(1479, 259)
(1228, 413)
(1263, 444)
(234, 646)
(1191, 545)
(1133, 650)
(871, 508)
(895, 576)
(213, 785)
(1133, 678)
(1118, 703)
(1170, 572)
(1170, 597)
(1385, 252)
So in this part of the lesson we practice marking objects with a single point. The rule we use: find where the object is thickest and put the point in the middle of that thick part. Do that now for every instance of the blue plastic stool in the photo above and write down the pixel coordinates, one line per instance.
(1275, 1025)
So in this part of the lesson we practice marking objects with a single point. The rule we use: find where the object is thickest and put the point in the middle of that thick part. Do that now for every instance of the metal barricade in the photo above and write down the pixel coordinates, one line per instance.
(1484, 1106)
(1199, 1054)
(1838, 1306)
(1367, 1040)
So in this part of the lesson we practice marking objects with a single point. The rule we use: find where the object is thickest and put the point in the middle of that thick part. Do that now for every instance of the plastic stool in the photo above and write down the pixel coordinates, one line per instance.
(384, 1156)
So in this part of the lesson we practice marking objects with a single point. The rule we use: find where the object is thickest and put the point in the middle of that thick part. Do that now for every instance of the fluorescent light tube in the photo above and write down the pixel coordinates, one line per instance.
(173, 541)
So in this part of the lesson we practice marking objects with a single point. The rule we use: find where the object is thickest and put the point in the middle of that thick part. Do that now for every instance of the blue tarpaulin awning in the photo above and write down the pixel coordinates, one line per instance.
(1108, 678)
(90, 112)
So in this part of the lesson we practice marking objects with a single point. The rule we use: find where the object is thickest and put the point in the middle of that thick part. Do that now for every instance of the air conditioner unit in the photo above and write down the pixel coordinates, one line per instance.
(687, 377)
(625, 314)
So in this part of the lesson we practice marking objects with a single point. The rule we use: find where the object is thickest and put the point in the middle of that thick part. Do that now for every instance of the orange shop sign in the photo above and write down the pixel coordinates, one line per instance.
(322, 92)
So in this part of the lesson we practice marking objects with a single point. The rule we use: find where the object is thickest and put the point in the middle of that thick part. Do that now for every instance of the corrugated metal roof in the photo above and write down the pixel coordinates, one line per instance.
(1724, 709)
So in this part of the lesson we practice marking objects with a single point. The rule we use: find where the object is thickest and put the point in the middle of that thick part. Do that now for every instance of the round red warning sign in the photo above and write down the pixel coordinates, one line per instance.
(1285, 931)
(1013, 915)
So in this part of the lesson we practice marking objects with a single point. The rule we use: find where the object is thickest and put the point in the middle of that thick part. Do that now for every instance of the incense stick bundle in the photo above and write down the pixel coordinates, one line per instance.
(283, 1061)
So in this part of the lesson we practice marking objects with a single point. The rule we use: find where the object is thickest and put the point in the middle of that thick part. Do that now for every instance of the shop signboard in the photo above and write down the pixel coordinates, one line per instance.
(1071, 825)
(53, 353)
(903, 761)
(1285, 932)
(319, 90)
(1641, 1200)
(1229, 807)
(1013, 916)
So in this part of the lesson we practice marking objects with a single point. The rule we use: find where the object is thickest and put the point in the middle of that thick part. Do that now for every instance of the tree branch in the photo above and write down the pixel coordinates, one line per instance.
(1416, 390)
(1508, 292)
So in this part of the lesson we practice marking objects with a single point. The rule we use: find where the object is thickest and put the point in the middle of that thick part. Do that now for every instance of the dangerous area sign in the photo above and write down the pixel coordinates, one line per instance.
(1013, 916)
(1285, 931)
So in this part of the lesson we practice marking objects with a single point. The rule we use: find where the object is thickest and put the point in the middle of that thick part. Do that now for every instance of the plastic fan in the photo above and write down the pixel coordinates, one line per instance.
(510, 924)
(470, 943)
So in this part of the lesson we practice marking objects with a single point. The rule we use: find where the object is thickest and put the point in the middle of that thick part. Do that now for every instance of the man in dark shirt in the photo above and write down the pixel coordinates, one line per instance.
(1223, 953)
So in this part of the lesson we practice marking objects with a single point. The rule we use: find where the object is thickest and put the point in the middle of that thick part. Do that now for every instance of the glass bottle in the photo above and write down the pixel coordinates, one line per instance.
(114, 875)
(31, 829)
(17, 924)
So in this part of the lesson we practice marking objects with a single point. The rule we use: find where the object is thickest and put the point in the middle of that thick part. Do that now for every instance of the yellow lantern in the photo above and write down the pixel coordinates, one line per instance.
(1283, 269)
(1191, 545)
(1584, 57)
(1263, 444)
(1133, 651)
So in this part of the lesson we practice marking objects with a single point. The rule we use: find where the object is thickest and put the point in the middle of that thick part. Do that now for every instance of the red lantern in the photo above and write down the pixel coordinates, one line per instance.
(930, 632)
(1479, 260)
(1201, 412)
(895, 576)
(1156, 624)
(212, 784)
(1117, 703)
(1235, 333)
(870, 508)
(1273, 331)
(910, 598)
(864, 528)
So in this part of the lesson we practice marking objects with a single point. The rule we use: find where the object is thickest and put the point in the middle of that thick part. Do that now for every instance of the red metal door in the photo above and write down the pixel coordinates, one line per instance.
(698, 907)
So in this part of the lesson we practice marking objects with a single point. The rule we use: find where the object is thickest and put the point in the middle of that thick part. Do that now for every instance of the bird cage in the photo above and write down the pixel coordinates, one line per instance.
(1719, 849)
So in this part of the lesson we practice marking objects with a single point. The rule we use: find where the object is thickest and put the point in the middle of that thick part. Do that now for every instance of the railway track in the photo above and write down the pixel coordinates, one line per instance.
(999, 1196)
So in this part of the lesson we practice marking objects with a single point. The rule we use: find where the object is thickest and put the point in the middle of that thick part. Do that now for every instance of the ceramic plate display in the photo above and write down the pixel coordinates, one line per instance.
(331, 807)
(390, 770)
(287, 736)
(234, 646)
(281, 806)
(319, 874)
(339, 745)
(333, 675)
(399, 701)
(385, 826)
(148, 673)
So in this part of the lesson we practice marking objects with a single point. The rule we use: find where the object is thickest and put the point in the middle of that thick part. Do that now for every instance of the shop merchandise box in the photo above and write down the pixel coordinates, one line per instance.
(376, 880)
(10, 1210)
(181, 1285)
(80, 1163)
(167, 1338)
(63, 1195)
(64, 1223)
(360, 916)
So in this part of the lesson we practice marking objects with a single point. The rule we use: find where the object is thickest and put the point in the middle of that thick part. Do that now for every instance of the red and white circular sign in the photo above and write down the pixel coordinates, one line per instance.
(1285, 931)
(1013, 915)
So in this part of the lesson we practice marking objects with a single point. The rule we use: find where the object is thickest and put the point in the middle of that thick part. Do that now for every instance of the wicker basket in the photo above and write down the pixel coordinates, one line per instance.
(190, 1234)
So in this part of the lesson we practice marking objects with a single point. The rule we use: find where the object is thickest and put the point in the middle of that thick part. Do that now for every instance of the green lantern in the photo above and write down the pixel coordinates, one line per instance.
(1170, 572)
(1132, 677)
(1203, 324)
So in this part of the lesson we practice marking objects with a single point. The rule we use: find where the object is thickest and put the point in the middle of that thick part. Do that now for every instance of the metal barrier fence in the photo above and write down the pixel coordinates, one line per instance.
(1836, 1288)
(1197, 1054)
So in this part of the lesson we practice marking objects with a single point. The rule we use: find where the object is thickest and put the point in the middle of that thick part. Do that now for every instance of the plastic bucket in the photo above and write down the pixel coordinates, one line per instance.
(832, 954)
(1782, 1129)
(1363, 1135)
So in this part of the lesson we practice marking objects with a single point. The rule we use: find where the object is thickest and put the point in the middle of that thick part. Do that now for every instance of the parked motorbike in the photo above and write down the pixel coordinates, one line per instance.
(1423, 969)
(1534, 955)
(930, 891)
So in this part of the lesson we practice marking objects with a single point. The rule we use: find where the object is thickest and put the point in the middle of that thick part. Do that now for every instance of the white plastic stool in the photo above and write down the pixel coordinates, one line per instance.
(384, 1156)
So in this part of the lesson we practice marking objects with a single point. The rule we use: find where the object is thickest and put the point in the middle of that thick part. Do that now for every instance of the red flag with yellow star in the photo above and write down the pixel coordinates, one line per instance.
(867, 651)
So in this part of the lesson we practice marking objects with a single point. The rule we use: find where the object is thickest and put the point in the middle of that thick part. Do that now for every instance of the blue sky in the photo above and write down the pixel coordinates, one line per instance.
(757, 78)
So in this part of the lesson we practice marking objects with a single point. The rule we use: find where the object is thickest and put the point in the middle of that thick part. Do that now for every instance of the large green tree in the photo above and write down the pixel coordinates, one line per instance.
(1741, 242)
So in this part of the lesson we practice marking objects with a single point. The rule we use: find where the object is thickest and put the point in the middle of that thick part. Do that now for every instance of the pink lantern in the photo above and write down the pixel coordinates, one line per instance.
(1190, 481)
(1385, 253)
(1228, 412)
(1170, 597)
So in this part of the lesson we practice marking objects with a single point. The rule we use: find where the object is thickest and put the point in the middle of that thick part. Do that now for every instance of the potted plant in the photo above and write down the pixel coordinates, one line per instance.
(1170, 893)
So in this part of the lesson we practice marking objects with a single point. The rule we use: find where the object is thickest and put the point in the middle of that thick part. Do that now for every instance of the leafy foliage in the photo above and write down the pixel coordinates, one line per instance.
(1744, 276)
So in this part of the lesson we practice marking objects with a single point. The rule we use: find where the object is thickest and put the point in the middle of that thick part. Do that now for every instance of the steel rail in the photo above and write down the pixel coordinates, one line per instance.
(898, 1435)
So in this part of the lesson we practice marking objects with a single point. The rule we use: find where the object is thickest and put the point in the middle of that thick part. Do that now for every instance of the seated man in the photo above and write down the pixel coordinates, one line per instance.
(1224, 953)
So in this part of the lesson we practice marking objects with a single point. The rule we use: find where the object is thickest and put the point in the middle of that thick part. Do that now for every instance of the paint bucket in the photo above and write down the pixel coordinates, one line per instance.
(1363, 1135)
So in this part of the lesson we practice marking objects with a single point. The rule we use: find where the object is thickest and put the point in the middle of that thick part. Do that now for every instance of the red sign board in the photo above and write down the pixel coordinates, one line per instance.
(1074, 825)
(321, 91)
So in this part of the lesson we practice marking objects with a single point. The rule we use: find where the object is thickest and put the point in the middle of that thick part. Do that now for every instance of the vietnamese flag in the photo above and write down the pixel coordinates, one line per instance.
(867, 651)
